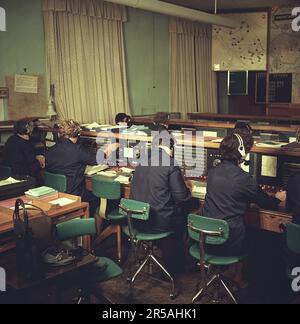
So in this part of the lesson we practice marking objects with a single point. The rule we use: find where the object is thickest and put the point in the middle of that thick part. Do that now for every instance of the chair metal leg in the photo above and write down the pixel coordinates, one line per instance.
(119, 243)
(204, 288)
(228, 291)
(172, 294)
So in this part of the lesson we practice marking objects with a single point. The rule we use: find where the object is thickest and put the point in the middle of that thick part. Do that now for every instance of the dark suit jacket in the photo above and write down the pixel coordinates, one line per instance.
(163, 187)
(70, 160)
(230, 190)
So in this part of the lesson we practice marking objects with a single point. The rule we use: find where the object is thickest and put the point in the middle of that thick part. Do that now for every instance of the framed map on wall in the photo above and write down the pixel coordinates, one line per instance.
(243, 48)
(285, 47)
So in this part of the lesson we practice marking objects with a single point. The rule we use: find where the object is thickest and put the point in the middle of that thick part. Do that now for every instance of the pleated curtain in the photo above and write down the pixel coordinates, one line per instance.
(193, 84)
(86, 58)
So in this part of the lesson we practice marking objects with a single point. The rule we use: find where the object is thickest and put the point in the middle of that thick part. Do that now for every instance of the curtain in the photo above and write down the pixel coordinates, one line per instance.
(86, 58)
(193, 85)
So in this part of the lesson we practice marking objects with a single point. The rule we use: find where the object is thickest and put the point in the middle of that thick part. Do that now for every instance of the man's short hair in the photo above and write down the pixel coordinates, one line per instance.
(69, 128)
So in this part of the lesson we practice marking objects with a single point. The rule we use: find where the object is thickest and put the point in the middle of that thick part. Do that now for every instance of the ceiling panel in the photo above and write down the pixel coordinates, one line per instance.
(208, 5)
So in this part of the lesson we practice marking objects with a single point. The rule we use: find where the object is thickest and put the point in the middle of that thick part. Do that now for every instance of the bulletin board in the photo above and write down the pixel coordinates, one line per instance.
(22, 105)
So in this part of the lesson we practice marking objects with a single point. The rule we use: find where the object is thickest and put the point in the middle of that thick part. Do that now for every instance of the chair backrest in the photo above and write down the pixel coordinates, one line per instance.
(76, 228)
(293, 237)
(105, 188)
(5, 171)
(216, 231)
(135, 209)
(56, 181)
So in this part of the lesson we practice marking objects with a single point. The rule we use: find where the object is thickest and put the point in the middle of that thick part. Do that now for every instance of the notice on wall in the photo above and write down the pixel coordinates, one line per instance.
(26, 83)
(269, 166)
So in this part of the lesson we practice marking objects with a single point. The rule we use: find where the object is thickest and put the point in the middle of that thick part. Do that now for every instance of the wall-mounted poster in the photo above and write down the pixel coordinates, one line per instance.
(243, 48)
(285, 47)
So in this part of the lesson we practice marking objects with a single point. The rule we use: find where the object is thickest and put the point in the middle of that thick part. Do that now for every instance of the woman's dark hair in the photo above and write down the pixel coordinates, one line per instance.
(122, 118)
(229, 149)
(23, 127)
(242, 127)
(161, 118)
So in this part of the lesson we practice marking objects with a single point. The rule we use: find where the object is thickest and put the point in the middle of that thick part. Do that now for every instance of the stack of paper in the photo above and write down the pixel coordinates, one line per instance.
(9, 181)
(127, 170)
(94, 169)
(199, 190)
(41, 192)
(123, 179)
(108, 173)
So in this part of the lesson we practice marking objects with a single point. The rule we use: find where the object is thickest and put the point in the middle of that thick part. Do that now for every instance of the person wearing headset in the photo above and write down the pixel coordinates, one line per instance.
(123, 119)
(161, 184)
(68, 157)
(19, 151)
(230, 190)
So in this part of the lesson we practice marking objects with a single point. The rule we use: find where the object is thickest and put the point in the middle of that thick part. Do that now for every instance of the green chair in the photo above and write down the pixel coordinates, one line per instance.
(5, 171)
(136, 210)
(293, 243)
(106, 190)
(103, 269)
(56, 181)
(212, 232)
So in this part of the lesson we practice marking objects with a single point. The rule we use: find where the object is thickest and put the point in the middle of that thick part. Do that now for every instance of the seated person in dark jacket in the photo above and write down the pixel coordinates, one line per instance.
(230, 190)
(161, 184)
(19, 151)
(293, 197)
(69, 158)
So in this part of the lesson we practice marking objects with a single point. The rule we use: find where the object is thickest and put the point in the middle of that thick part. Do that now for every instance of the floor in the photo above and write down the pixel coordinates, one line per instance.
(266, 274)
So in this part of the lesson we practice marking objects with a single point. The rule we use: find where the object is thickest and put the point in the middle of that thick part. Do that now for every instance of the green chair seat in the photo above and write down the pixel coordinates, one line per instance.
(104, 269)
(215, 260)
(115, 215)
(146, 236)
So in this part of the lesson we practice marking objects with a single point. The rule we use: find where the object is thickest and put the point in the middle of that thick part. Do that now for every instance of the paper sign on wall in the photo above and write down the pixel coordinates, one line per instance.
(26, 83)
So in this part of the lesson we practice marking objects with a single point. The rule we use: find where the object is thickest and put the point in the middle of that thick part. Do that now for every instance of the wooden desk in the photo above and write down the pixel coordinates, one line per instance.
(255, 217)
(24, 290)
(218, 124)
(59, 215)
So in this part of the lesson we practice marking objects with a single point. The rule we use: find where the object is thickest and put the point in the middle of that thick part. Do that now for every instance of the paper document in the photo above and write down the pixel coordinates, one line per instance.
(269, 166)
(62, 201)
(122, 179)
(108, 173)
(218, 140)
(271, 144)
(26, 83)
(94, 169)
(210, 134)
(9, 181)
(127, 170)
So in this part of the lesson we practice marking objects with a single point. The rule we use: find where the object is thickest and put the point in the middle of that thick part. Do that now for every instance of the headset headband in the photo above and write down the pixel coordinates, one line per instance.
(241, 147)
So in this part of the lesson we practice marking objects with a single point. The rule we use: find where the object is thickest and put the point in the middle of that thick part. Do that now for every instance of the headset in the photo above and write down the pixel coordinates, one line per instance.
(241, 147)
(24, 127)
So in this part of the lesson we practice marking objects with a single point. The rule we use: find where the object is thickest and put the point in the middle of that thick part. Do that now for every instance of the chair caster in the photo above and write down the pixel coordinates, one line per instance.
(128, 279)
(173, 296)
